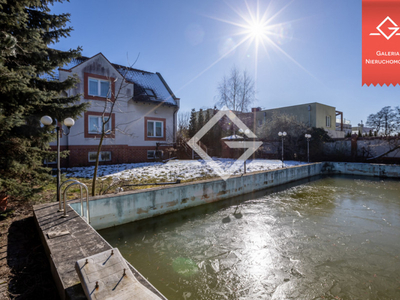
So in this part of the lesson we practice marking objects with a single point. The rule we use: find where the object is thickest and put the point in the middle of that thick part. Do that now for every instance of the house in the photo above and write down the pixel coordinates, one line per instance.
(313, 114)
(344, 125)
(365, 131)
(143, 121)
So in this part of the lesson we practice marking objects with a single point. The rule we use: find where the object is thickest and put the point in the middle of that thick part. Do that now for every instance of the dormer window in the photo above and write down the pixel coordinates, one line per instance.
(98, 87)
(151, 94)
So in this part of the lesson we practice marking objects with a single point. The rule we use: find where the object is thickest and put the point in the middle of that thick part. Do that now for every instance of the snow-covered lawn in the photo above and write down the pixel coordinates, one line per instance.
(175, 169)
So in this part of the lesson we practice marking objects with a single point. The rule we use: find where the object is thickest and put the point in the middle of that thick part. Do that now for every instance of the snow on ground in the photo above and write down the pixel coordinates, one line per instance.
(174, 169)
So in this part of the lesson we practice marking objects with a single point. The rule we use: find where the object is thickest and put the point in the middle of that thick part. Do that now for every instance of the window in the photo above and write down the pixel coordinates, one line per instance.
(150, 92)
(98, 87)
(104, 156)
(95, 125)
(155, 129)
(328, 121)
(153, 154)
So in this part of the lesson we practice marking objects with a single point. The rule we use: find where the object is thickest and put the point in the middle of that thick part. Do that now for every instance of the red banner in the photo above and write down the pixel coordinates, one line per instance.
(380, 42)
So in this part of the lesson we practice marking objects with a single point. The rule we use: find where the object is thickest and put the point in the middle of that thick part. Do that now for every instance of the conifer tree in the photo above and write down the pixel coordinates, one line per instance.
(27, 28)
(192, 124)
(200, 120)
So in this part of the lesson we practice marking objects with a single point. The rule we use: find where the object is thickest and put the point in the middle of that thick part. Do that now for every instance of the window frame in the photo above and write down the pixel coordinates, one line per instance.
(99, 123)
(98, 83)
(99, 78)
(155, 129)
(88, 134)
(100, 160)
(328, 121)
(155, 121)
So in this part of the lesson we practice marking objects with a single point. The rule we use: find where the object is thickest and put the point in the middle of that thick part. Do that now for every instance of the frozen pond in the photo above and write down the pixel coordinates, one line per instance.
(330, 238)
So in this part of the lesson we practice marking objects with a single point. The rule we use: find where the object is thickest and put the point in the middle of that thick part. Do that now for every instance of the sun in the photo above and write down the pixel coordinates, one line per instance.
(257, 30)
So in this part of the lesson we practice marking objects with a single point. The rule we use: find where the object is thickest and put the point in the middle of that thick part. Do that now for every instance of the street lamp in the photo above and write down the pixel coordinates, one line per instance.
(69, 122)
(282, 134)
(308, 137)
(245, 132)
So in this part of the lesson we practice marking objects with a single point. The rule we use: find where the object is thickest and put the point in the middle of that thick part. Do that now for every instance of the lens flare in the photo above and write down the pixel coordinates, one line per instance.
(254, 28)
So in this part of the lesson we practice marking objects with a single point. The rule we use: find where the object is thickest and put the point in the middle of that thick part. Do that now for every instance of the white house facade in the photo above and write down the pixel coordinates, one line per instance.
(143, 120)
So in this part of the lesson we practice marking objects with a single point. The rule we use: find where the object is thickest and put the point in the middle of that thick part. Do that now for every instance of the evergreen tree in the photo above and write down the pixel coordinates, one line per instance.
(27, 28)
(359, 133)
(200, 120)
(192, 124)
(208, 137)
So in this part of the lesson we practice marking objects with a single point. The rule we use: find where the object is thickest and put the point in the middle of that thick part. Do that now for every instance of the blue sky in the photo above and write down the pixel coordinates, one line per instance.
(317, 58)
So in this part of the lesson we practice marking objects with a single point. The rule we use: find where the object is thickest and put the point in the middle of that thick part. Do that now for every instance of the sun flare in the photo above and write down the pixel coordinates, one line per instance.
(254, 28)
(257, 30)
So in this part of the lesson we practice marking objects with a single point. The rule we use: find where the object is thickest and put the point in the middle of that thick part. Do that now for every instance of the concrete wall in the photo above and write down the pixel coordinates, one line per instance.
(376, 170)
(370, 147)
(106, 211)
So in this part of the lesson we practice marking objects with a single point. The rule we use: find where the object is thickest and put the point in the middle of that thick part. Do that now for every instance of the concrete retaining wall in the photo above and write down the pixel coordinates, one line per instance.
(106, 211)
(376, 170)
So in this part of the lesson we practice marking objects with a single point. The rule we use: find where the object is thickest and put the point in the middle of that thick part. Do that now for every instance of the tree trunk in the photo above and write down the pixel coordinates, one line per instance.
(97, 160)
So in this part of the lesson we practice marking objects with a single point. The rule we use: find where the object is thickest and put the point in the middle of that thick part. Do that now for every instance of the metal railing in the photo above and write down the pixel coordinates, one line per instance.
(64, 198)
(60, 208)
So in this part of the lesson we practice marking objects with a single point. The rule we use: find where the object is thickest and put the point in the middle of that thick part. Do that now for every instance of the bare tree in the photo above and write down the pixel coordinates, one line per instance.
(183, 124)
(236, 91)
(397, 118)
(383, 121)
(109, 106)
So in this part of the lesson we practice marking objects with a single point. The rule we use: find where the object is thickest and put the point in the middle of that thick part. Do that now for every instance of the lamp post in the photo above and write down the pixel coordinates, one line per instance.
(282, 134)
(69, 122)
(245, 132)
(308, 137)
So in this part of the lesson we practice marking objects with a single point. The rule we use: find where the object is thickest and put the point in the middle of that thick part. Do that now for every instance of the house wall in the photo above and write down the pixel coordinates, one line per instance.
(300, 111)
(128, 142)
(316, 116)
(322, 111)
(79, 155)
